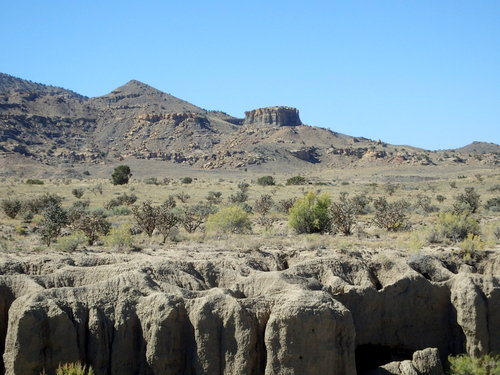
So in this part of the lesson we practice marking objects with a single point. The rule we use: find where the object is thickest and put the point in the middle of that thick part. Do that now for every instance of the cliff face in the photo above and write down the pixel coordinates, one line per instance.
(224, 312)
(279, 116)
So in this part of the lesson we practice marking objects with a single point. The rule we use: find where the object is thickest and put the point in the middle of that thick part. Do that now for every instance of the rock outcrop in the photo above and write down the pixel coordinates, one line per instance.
(270, 312)
(278, 116)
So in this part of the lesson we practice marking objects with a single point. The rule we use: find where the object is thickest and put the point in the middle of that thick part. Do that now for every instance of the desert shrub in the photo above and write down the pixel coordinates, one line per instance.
(465, 365)
(122, 199)
(214, 197)
(391, 216)
(76, 211)
(238, 197)
(97, 189)
(70, 243)
(471, 246)
(309, 214)
(127, 199)
(266, 181)
(27, 216)
(186, 180)
(496, 233)
(390, 188)
(31, 181)
(493, 204)
(53, 221)
(361, 204)
(121, 175)
(112, 203)
(453, 184)
(229, 220)
(78, 192)
(151, 181)
(92, 225)
(440, 198)
(118, 211)
(263, 206)
(41, 203)
(119, 238)
(296, 180)
(467, 202)
(454, 227)
(170, 202)
(183, 197)
(343, 214)
(495, 188)
(284, 205)
(73, 369)
(167, 219)
(243, 186)
(194, 216)
(11, 207)
(145, 216)
(423, 204)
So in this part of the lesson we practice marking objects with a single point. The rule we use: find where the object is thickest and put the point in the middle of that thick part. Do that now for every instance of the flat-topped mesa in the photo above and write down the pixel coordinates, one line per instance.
(280, 116)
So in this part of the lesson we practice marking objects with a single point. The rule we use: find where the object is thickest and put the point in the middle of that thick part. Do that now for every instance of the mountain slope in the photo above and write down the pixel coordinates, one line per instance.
(53, 126)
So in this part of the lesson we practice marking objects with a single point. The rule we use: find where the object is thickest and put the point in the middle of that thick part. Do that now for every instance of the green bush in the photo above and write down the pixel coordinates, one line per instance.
(455, 227)
(54, 220)
(92, 225)
(151, 181)
(122, 199)
(466, 365)
(343, 214)
(167, 219)
(361, 204)
(194, 216)
(119, 238)
(493, 204)
(187, 180)
(266, 181)
(296, 180)
(471, 246)
(309, 214)
(73, 369)
(11, 207)
(238, 197)
(467, 202)
(231, 219)
(214, 197)
(70, 243)
(391, 216)
(145, 216)
(121, 175)
(78, 192)
(31, 181)
(284, 205)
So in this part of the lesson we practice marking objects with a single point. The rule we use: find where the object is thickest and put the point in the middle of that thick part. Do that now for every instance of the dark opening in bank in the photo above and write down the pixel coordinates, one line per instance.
(370, 356)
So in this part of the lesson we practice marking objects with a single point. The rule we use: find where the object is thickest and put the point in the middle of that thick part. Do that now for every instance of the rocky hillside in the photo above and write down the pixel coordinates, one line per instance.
(53, 126)
(209, 311)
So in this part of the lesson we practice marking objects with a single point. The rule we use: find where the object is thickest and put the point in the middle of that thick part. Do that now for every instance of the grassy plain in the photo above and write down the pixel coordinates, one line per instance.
(392, 183)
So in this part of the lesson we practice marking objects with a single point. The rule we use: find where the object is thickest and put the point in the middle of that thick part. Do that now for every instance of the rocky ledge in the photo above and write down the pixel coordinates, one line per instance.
(198, 311)
(279, 116)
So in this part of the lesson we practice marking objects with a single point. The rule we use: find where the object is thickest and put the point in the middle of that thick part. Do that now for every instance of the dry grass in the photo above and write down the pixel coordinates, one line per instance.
(18, 236)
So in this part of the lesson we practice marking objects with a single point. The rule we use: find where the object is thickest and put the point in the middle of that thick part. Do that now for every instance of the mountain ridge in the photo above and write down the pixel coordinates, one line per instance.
(135, 120)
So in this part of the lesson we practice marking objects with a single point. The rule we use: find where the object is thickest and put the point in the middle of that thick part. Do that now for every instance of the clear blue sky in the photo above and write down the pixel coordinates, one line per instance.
(419, 72)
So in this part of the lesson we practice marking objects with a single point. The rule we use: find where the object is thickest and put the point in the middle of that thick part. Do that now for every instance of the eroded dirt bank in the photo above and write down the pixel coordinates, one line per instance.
(208, 311)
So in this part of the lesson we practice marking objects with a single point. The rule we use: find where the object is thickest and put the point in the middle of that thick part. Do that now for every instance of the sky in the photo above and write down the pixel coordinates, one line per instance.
(424, 73)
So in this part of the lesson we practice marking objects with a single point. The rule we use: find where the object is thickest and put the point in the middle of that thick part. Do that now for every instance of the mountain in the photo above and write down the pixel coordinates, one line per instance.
(55, 126)
(480, 148)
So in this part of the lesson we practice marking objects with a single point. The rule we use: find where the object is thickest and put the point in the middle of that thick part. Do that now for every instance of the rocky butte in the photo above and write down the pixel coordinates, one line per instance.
(280, 116)
(273, 312)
